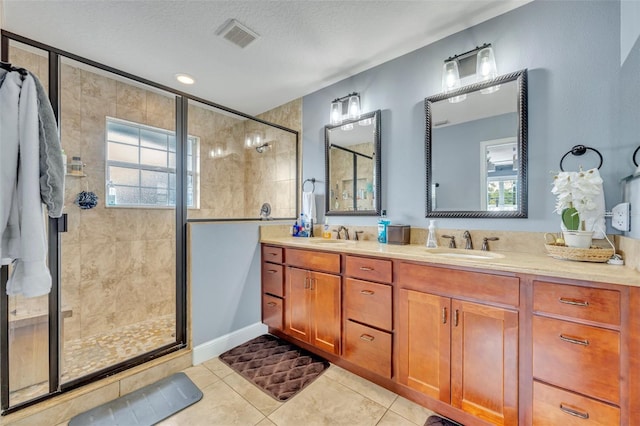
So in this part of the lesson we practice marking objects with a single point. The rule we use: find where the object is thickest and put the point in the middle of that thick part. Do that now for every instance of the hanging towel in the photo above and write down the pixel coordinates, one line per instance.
(584, 190)
(21, 210)
(309, 206)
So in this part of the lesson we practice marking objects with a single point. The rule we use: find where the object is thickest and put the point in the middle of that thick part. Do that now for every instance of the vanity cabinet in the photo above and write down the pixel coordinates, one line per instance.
(461, 352)
(368, 315)
(576, 355)
(273, 287)
(313, 299)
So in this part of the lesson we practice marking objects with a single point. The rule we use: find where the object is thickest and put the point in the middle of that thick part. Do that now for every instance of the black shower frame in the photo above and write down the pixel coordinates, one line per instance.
(59, 225)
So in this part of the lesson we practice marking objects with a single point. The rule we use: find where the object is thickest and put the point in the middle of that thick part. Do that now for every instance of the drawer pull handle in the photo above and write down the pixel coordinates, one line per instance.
(583, 342)
(306, 283)
(444, 314)
(367, 337)
(273, 254)
(455, 318)
(272, 271)
(573, 411)
(366, 268)
(272, 304)
(574, 302)
(367, 292)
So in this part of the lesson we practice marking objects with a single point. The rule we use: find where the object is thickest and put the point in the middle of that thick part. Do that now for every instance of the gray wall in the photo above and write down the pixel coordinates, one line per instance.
(572, 52)
(225, 278)
(457, 149)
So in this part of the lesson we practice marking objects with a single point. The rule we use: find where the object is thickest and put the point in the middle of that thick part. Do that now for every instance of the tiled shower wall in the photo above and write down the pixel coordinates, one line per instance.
(119, 263)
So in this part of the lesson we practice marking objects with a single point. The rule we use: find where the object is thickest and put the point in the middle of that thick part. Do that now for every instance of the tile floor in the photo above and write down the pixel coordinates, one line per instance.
(337, 397)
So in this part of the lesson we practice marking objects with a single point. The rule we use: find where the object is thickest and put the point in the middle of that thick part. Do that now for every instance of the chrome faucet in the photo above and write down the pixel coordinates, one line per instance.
(485, 242)
(452, 242)
(346, 232)
(469, 244)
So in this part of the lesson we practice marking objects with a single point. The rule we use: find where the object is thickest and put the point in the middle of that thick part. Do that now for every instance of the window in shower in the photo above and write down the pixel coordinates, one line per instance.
(141, 166)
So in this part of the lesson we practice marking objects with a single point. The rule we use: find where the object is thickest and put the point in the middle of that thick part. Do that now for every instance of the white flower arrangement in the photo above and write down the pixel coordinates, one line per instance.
(576, 190)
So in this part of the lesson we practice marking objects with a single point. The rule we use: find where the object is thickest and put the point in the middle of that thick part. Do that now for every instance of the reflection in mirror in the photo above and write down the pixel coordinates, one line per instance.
(476, 149)
(352, 164)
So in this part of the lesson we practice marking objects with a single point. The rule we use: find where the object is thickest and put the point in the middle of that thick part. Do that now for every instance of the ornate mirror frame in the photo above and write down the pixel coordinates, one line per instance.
(521, 138)
(375, 117)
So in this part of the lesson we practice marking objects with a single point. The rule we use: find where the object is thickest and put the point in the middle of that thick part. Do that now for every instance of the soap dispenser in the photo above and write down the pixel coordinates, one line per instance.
(432, 240)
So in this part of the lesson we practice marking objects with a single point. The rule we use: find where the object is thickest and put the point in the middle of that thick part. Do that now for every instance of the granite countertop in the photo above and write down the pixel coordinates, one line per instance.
(526, 263)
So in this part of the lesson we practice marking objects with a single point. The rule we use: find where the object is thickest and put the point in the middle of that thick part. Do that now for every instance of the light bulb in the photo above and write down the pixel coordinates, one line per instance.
(450, 76)
(335, 117)
(354, 107)
(486, 65)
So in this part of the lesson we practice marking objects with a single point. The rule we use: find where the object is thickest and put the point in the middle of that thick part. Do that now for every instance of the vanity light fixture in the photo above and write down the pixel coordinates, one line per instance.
(185, 79)
(480, 62)
(338, 114)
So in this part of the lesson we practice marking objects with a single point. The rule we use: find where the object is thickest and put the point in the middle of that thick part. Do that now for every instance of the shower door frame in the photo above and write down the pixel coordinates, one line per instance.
(58, 225)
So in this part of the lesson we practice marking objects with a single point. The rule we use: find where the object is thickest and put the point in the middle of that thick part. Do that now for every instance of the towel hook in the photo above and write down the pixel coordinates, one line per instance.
(313, 183)
(578, 150)
(634, 156)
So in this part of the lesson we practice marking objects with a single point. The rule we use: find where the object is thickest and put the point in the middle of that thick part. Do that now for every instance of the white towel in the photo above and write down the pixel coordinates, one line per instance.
(309, 206)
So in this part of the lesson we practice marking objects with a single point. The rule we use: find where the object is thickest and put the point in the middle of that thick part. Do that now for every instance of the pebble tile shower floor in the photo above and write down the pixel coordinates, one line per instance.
(87, 355)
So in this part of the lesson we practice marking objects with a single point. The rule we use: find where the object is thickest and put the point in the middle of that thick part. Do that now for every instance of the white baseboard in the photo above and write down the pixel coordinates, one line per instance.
(215, 347)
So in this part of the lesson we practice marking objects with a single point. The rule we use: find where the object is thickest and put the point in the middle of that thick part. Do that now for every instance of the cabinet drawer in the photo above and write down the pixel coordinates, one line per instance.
(577, 357)
(485, 287)
(368, 348)
(368, 302)
(272, 254)
(273, 279)
(592, 304)
(552, 406)
(369, 269)
(315, 260)
(272, 311)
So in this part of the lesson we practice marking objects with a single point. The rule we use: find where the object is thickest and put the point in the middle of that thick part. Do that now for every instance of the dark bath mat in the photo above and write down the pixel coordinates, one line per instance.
(439, 421)
(146, 406)
(278, 368)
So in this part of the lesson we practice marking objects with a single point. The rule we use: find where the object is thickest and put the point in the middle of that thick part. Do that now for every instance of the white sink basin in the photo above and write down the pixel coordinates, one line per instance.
(464, 254)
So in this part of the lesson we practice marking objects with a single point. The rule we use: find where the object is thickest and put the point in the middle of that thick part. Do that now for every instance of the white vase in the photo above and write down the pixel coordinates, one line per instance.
(578, 239)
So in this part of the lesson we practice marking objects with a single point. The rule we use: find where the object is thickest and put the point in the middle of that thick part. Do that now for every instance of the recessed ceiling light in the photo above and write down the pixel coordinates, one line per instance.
(185, 79)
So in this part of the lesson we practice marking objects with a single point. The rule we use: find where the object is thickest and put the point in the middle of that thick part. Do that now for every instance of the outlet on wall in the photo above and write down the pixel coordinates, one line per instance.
(620, 217)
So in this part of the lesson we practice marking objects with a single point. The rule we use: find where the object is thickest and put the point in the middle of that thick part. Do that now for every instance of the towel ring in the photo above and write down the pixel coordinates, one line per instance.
(313, 183)
(580, 150)
(634, 156)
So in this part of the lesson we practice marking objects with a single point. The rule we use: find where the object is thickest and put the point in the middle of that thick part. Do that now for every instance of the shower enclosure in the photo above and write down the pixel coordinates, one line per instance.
(154, 158)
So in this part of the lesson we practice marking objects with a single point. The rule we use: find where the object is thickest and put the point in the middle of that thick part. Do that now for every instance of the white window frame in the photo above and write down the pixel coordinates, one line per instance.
(194, 171)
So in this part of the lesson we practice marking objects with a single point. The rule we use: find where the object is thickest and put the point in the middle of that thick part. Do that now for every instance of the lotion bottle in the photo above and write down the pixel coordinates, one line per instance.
(432, 241)
(383, 222)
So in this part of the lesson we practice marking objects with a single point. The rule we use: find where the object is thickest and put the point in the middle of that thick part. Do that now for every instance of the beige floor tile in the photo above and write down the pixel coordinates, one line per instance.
(393, 419)
(218, 367)
(266, 422)
(327, 402)
(220, 405)
(411, 411)
(362, 386)
(263, 402)
(201, 376)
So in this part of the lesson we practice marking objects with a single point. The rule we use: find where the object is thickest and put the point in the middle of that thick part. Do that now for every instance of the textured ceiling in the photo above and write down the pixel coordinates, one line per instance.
(303, 45)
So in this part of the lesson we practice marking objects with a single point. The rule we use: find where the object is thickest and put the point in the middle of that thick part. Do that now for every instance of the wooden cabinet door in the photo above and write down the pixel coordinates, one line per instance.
(325, 293)
(424, 343)
(297, 304)
(484, 361)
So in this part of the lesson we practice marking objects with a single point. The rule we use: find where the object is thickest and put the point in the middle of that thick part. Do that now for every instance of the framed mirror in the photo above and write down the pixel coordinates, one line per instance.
(476, 150)
(352, 167)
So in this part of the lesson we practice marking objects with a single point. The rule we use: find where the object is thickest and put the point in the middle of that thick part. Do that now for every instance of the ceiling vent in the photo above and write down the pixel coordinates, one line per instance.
(237, 33)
